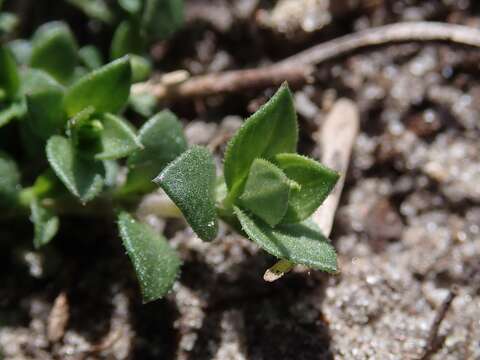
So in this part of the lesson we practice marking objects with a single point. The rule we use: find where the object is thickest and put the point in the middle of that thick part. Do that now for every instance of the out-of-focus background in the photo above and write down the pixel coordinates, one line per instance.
(407, 229)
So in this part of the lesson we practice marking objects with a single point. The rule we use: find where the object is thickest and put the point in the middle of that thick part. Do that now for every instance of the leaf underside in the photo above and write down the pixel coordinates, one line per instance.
(155, 262)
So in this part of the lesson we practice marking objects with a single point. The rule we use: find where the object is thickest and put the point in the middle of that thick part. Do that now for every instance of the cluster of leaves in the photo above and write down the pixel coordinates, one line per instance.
(267, 191)
(138, 22)
(68, 108)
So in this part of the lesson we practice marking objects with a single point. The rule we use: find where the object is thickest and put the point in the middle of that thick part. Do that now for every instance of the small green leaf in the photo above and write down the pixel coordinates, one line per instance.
(143, 103)
(270, 131)
(45, 110)
(8, 22)
(117, 138)
(156, 264)
(15, 110)
(301, 243)
(39, 83)
(163, 140)
(21, 50)
(316, 182)
(161, 18)
(141, 68)
(126, 40)
(190, 182)
(82, 175)
(9, 181)
(91, 57)
(96, 9)
(33, 80)
(106, 89)
(54, 50)
(45, 223)
(9, 77)
(266, 192)
(131, 6)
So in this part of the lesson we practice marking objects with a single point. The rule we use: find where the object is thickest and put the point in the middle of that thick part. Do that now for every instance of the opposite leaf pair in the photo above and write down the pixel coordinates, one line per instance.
(268, 191)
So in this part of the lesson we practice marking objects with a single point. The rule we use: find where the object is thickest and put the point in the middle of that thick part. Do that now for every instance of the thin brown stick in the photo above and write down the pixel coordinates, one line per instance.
(434, 341)
(298, 68)
(335, 139)
(226, 82)
(423, 31)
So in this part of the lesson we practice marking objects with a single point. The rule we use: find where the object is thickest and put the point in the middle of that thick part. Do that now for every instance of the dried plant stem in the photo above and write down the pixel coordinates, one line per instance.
(423, 31)
(225, 82)
(434, 341)
(298, 68)
(336, 139)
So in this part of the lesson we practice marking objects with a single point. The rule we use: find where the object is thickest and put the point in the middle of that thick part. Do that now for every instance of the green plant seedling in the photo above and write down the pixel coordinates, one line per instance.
(83, 157)
(269, 191)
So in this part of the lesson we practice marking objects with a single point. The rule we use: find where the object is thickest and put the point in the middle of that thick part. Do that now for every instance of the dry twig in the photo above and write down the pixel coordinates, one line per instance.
(107, 342)
(434, 341)
(298, 69)
(226, 82)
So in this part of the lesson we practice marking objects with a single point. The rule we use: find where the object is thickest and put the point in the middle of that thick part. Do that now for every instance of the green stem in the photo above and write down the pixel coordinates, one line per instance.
(26, 197)
(280, 268)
